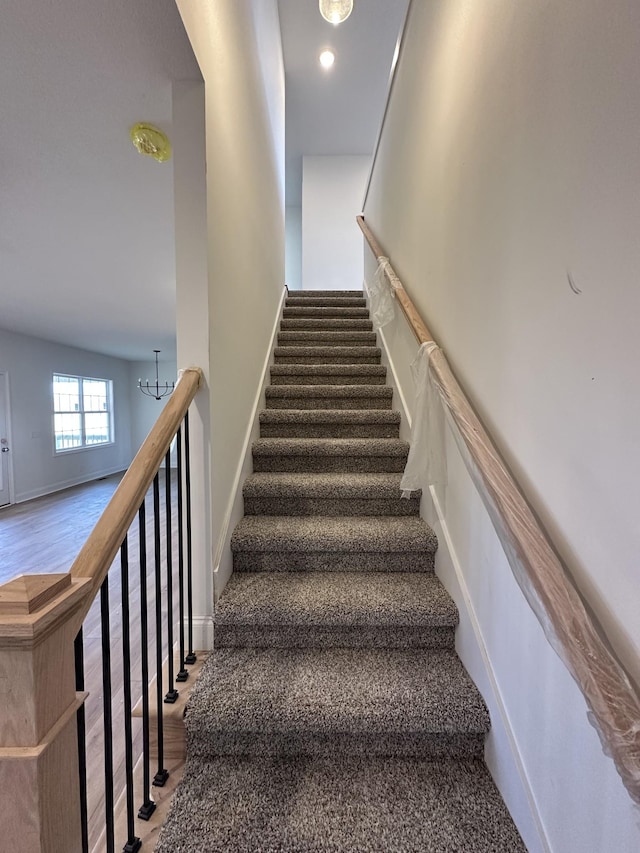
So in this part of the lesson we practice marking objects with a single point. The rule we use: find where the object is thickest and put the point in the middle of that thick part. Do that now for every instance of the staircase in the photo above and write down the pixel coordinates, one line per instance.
(334, 714)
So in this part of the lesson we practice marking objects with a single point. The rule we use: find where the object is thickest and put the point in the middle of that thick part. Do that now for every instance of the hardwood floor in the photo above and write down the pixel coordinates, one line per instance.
(45, 535)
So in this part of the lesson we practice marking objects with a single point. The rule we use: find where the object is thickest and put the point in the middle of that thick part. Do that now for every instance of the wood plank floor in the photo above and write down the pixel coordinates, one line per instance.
(45, 535)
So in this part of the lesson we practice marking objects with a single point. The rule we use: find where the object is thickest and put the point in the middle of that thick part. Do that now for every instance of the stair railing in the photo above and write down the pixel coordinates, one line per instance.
(577, 637)
(43, 748)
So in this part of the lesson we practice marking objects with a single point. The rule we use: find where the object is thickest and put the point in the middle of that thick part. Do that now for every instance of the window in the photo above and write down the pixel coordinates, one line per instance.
(81, 412)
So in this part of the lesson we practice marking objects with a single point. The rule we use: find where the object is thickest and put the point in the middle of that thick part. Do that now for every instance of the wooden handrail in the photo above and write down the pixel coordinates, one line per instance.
(100, 549)
(574, 634)
(416, 323)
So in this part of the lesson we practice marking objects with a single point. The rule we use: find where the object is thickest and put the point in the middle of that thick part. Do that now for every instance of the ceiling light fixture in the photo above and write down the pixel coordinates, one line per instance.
(327, 58)
(336, 11)
(156, 390)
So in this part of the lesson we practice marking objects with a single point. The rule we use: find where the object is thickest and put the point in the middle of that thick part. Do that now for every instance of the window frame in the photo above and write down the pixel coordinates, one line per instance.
(82, 413)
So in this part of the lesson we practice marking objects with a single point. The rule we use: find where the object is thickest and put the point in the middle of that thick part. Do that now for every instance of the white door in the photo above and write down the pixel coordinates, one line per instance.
(5, 450)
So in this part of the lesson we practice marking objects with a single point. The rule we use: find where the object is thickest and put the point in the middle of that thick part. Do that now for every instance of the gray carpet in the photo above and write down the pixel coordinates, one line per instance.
(347, 355)
(366, 701)
(338, 805)
(334, 714)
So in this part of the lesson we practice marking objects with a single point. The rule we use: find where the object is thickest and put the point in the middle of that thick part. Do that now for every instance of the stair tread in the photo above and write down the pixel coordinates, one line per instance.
(325, 323)
(329, 416)
(301, 294)
(324, 313)
(329, 391)
(323, 485)
(346, 691)
(328, 370)
(305, 338)
(331, 599)
(334, 351)
(352, 804)
(345, 534)
(326, 301)
(330, 447)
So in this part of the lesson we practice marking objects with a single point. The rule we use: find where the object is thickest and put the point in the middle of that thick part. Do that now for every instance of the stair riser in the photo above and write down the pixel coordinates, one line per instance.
(270, 744)
(336, 403)
(326, 302)
(334, 464)
(326, 379)
(329, 431)
(333, 561)
(327, 324)
(327, 506)
(315, 294)
(320, 637)
(322, 313)
(327, 339)
(327, 359)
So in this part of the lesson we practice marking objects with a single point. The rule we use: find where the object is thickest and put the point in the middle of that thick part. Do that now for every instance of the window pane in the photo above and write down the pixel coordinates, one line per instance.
(96, 428)
(82, 412)
(68, 432)
(66, 394)
(94, 395)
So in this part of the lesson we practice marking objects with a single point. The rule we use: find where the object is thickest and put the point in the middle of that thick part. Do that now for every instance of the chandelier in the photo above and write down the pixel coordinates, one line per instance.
(336, 11)
(156, 389)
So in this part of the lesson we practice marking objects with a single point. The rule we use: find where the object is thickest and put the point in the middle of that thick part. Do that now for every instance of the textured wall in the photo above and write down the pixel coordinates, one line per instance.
(332, 191)
(293, 217)
(506, 193)
(237, 45)
(30, 364)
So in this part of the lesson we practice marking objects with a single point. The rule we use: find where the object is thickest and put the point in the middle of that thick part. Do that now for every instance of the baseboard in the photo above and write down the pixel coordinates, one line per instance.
(203, 633)
(222, 566)
(52, 488)
(445, 544)
(398, 395)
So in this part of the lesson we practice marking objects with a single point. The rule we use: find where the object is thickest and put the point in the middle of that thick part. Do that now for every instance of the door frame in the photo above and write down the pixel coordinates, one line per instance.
(6, 400)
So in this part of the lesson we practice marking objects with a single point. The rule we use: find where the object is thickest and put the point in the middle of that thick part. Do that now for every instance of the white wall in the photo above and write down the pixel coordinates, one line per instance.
(192, 328)
(237, 45)
(30, 363)
(293, 247)
(332, 190)
(508, 171)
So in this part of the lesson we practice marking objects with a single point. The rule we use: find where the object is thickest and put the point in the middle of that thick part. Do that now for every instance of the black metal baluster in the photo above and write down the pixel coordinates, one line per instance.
(148, 806)
(107, 716)
(162, 774)
(183, 673)
(78, 648)
(172, 693)
(133, 842)
(191, 656)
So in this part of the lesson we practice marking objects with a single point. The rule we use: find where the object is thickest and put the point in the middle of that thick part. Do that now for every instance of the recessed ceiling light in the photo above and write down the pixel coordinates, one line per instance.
(327, 58)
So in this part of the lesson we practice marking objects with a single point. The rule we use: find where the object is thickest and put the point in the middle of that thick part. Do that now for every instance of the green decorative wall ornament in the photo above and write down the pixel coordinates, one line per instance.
(151, 141)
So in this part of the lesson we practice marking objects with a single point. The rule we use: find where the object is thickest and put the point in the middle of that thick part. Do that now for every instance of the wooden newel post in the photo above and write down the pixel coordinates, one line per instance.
(39, 789)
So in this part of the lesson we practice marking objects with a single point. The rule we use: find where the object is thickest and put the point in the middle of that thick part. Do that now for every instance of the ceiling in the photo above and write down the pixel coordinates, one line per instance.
(86, 224)
(337, 111)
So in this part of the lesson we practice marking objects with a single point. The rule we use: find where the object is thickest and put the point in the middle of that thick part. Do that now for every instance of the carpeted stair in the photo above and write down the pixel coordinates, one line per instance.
(334, 714)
